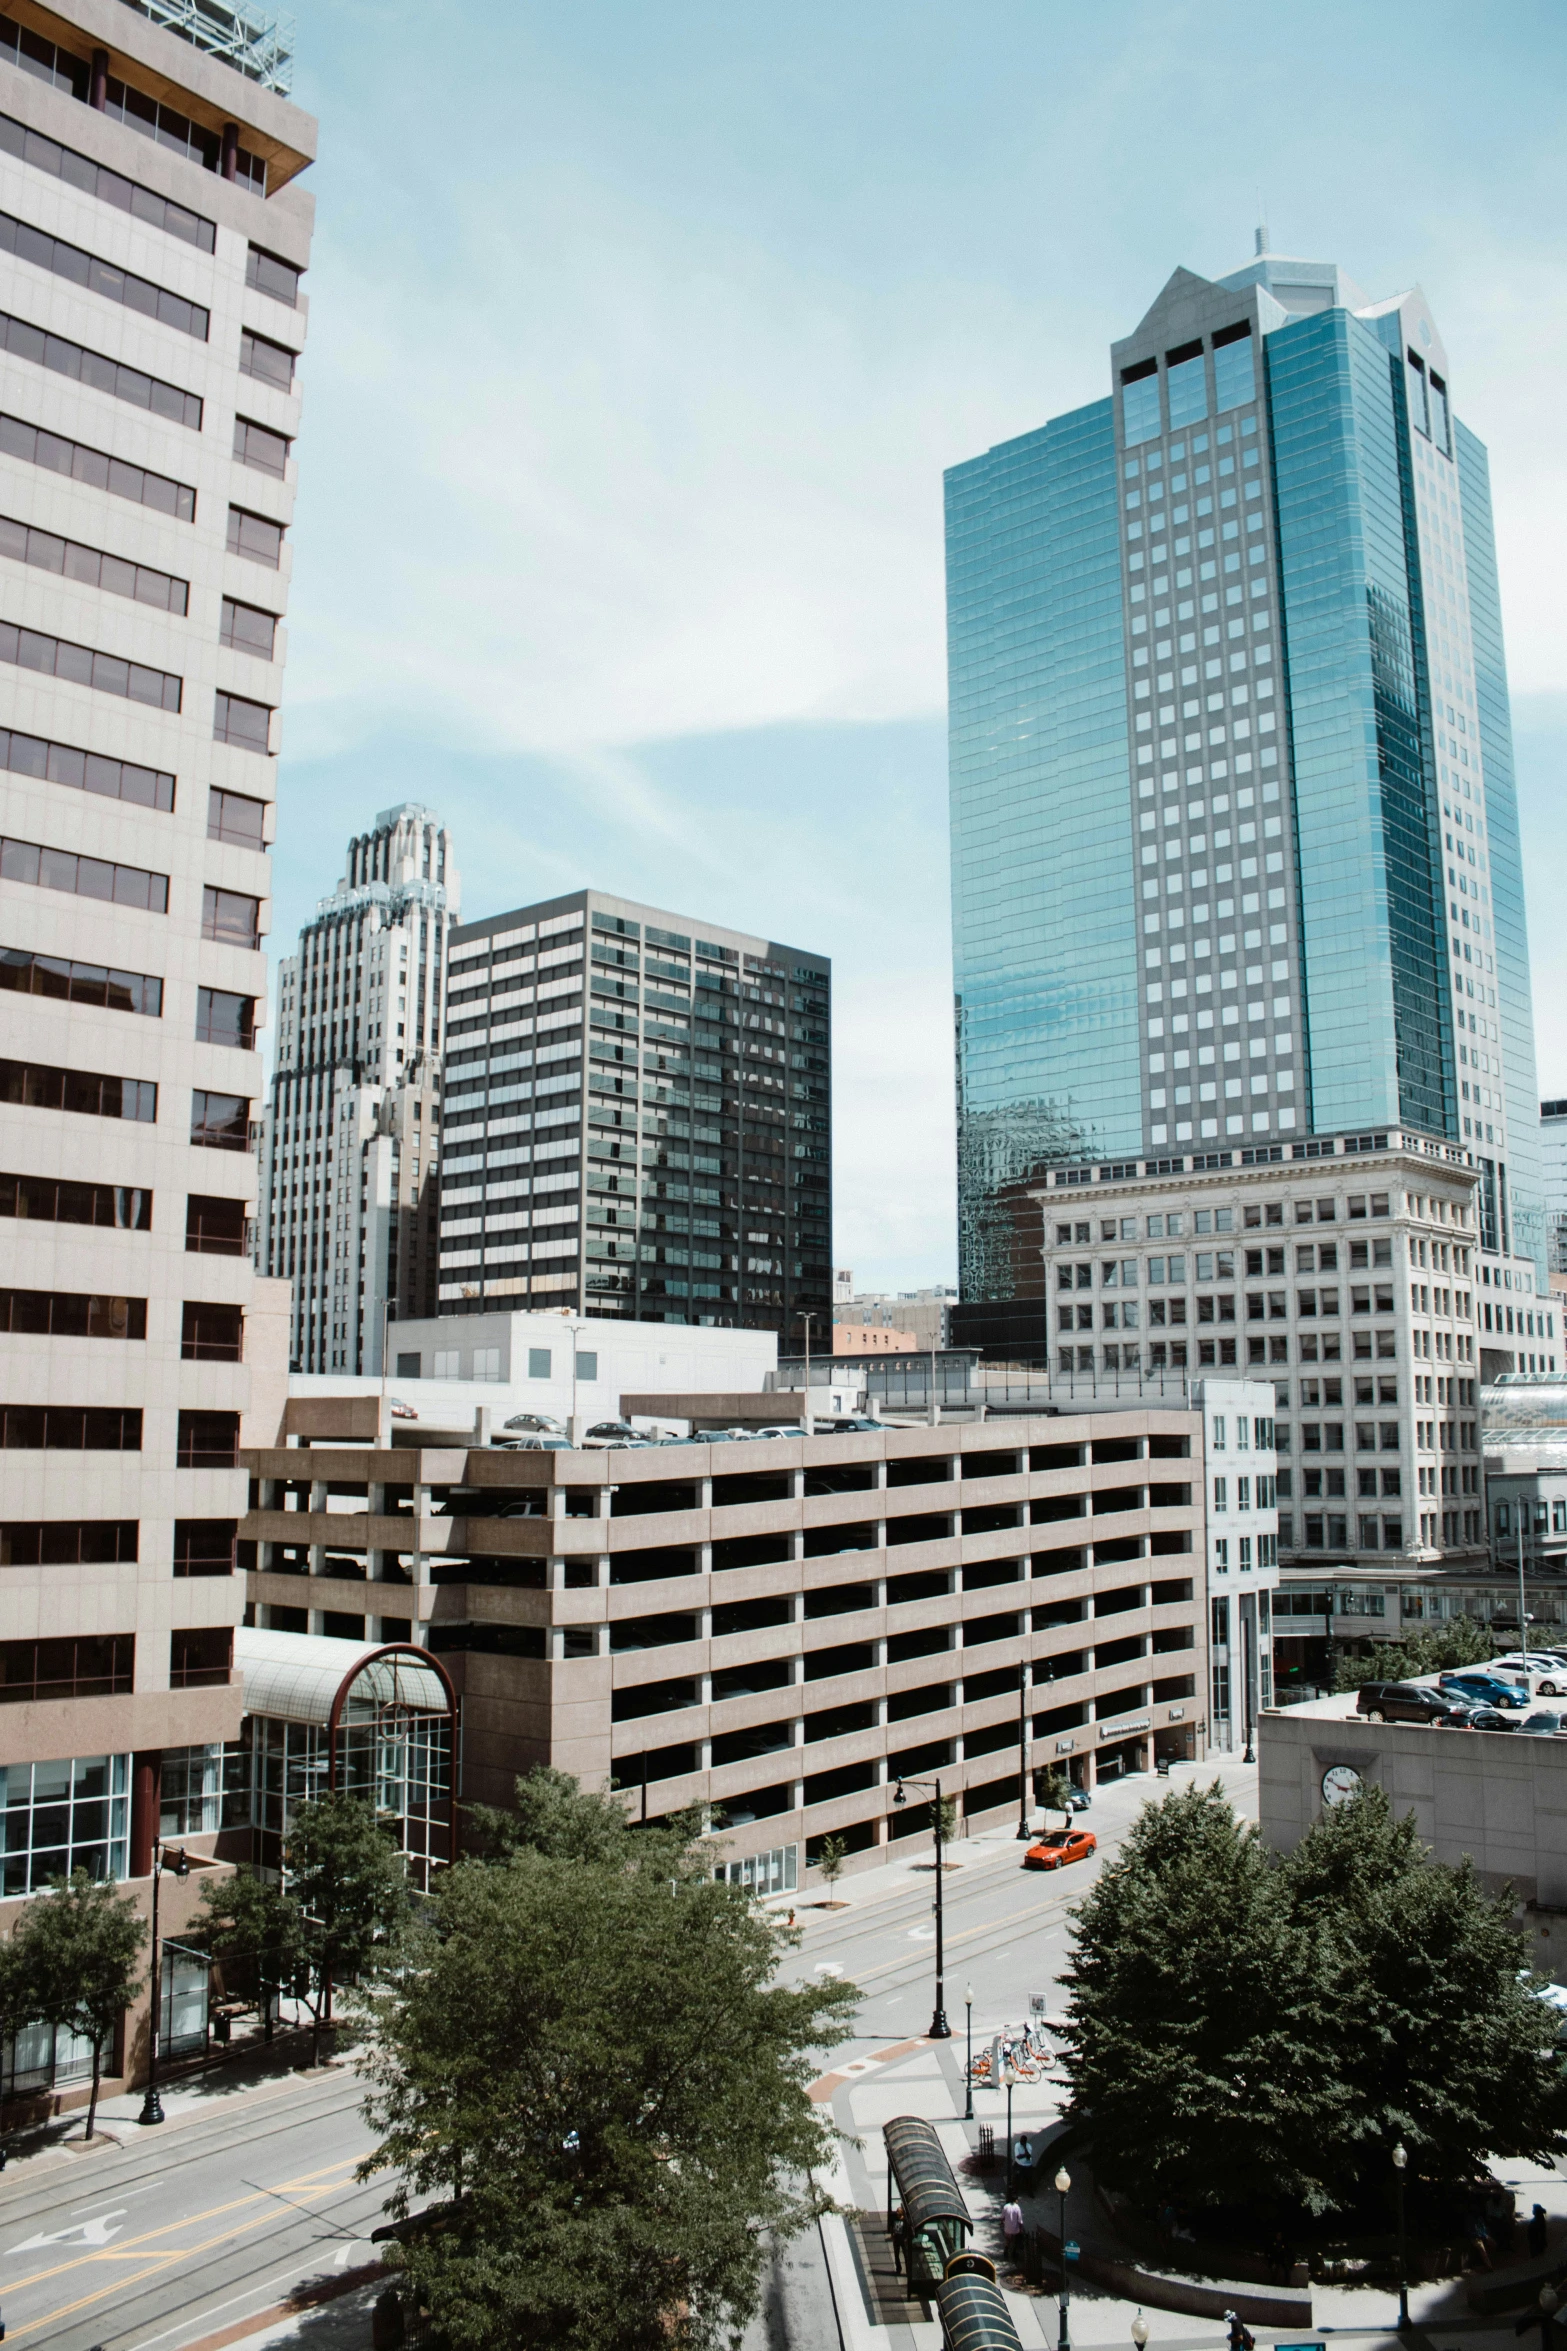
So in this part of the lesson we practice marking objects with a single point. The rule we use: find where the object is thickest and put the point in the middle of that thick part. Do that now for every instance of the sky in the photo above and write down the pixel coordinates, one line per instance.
(639, 340)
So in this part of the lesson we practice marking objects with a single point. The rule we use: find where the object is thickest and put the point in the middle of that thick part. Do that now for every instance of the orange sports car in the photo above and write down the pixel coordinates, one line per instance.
(1060, 1847)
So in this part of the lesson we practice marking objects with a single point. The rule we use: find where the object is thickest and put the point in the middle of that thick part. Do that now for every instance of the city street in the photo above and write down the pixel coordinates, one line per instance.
(186, 2231)
(1007, 1929)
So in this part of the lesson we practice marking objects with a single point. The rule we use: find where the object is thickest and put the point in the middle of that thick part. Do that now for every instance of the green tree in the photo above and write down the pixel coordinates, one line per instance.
(1051, 1790)
(348, 1881)
(830, 1861)
(1439, 2037)
(1442, 1650)
(593, 2067)
(1201, 2047)
(73, 1962)
(258, 1933)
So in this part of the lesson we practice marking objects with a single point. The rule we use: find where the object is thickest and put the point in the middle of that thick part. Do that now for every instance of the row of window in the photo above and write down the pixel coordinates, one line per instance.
(1176, 1226)
(231, 917)
(47, 551)
(204, 1440)
(103, 277)
(96, 179)
(214, 1227)
(219, 1122)
(1122, 1273)
(202, 1546)
(131, 384)
(208, 1332)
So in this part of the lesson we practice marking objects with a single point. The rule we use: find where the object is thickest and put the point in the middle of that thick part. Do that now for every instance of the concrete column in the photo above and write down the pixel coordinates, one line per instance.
(98, 98)
(230, 160)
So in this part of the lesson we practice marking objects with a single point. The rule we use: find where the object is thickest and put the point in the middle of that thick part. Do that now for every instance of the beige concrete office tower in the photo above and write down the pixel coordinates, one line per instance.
(351, 1189)
(152, 240)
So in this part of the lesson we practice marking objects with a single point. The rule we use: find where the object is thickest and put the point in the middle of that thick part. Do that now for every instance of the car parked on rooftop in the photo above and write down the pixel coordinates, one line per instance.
(1482, 1688)
(1405, 1702)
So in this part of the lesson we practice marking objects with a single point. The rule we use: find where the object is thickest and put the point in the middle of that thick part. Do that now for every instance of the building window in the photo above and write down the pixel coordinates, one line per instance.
(208, 1440)
(84, 877)
(80, 983)
(33, 446)
(210, 1333)
(100, 1665)
(24, 341)
(204, 1788)
(261, 447)
(61, 1817)
(237, 818)
(204, 1546)
(220, 1122)
(230, 917)
(72, 1314)
(67, 1542)
(70, 1428)
(79, 665)
(269, 362)
(225, 1019)
(538, 1363)
(80, 1090)
(85, 771)
(201, 1659)
(95, 179)
(215, 1227)
(103, 277)
(246, 725)
(246, 628)
(268, 273)
(254, 537)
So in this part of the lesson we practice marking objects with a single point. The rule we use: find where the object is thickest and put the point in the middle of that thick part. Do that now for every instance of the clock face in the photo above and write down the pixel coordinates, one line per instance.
(1339, 1783)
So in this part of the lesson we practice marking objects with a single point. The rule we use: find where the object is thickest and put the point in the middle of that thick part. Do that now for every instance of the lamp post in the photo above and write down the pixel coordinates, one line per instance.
(1023, 1829)
(152, 2104)
(1063, 2182)
(1140, 2331)
(940, 2030)
(968, 2071)
(1400, 2162)
(1009, 2078)
(1549, 2300)
(1250, 1755)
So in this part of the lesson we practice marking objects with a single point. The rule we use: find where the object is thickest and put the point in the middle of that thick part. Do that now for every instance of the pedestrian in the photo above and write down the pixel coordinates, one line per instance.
(1537, 2232)
(1012, 2231)
(791, 1914)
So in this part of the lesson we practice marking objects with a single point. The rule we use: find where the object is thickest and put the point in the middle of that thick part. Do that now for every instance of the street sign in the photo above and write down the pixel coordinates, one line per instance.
(1036, 2003)
(1071, 2250)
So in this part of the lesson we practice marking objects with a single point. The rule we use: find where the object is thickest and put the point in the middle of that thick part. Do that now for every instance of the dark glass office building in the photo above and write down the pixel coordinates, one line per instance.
(1235, 846)
(637, 1119)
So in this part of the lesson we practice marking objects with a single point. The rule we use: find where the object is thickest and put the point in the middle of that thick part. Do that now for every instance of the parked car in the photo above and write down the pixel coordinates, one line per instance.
(537, 1424)
(1544, 1725)
(1405, 1702)
(542, 1445)
(796, 1431)
(1482, 1689)
(1060, 1847)
(1491, 1718)
(1549, 1664)
(399, 1410)
(613, 1432)
(858, 1424)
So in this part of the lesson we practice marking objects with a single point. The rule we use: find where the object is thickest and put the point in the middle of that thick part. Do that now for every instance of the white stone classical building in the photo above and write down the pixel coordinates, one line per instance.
(351, 1189)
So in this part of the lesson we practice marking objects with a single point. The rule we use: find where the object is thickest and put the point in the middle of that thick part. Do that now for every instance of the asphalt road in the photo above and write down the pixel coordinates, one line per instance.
(180, 2232)
(1007, 1929)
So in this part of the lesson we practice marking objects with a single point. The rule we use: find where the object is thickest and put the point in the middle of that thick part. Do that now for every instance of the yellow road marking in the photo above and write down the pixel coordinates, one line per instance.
(319, 2183)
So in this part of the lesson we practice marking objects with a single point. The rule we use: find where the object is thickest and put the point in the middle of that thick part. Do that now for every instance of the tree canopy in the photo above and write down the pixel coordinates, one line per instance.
(73, 1962)
(1245, 2028)
(1442, 1650)
(592, 2068)
(347, 1880)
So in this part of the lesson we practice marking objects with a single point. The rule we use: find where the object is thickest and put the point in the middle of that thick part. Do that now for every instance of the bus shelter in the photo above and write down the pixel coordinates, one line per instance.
(927, 2219)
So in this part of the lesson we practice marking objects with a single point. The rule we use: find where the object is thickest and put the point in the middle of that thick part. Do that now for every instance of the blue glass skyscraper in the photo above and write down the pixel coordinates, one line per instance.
(1229, 712)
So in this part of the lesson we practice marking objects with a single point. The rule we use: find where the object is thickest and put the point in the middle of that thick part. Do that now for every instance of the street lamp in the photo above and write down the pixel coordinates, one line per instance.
(1023, 1830)
(940, 2030)
(1250, 1755)
(1063, 2182)
(152, 2104)
(1009, 2080)
(1139, 2331)
(1400, 2161)
(968, 2076)
(1549, 2300)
